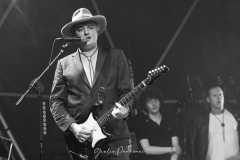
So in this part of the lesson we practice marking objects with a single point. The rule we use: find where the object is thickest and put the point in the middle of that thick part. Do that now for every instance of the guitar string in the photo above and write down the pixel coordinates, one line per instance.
(104, 118)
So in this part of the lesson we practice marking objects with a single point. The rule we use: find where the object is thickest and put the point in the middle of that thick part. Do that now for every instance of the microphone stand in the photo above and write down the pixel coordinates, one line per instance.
(39, 88)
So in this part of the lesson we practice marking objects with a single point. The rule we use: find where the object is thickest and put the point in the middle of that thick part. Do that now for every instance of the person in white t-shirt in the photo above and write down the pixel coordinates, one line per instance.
(215, 133)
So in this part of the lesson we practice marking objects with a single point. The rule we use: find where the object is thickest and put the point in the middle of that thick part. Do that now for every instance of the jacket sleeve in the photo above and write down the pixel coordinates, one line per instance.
(58, 100)
(124, 83)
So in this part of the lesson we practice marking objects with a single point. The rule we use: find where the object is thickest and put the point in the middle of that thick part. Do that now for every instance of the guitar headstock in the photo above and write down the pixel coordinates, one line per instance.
(155, 73)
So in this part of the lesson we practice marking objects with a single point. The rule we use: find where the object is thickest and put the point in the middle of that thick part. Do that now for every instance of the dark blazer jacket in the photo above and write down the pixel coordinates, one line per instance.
(72, 97)
(199, 133)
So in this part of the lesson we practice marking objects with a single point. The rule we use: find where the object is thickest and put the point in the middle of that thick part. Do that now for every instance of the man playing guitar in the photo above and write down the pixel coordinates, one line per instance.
(90, 75)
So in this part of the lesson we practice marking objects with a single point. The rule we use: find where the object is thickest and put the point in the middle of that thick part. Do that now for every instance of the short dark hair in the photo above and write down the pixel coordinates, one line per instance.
(213, 86)
(150, 92)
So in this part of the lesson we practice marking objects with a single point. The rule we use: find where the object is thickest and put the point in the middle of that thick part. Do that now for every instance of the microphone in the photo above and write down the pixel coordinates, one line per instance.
(71, 39)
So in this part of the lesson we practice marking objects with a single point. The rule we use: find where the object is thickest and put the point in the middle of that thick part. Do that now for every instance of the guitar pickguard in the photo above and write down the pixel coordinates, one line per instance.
(97, 131)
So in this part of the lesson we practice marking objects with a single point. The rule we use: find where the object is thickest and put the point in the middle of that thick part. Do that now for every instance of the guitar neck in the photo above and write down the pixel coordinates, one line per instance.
(104, 118)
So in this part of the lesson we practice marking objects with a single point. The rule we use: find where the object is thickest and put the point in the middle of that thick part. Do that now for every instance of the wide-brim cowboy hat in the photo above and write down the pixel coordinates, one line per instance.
(83, 15)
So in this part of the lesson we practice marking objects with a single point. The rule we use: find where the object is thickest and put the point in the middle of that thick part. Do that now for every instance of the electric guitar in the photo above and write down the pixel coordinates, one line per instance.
(85, 151)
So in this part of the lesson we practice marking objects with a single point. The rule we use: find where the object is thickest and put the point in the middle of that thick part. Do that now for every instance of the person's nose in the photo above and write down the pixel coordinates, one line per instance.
(220, 97)
(153, 103)
(86, 31)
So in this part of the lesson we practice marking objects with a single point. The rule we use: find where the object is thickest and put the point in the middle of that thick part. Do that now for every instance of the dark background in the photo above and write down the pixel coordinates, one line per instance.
(206, 48)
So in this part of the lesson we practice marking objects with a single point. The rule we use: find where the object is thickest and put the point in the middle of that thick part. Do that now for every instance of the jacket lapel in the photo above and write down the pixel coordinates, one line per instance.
(100, 61)
(79, 67)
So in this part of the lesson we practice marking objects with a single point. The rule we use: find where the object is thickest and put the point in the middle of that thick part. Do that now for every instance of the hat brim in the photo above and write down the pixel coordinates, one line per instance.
(100, 20)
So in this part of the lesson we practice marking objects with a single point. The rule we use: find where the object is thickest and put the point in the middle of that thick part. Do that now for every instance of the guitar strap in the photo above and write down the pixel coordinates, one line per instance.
(104, 76)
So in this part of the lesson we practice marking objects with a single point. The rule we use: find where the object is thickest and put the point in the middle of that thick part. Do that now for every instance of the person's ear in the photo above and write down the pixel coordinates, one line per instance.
(208, 100)
(98, 28)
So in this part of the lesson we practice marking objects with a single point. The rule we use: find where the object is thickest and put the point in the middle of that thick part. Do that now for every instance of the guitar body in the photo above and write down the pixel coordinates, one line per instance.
(85, 151)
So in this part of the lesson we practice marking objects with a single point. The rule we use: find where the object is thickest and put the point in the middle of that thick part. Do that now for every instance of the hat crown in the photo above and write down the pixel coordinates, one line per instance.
(81, 13)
